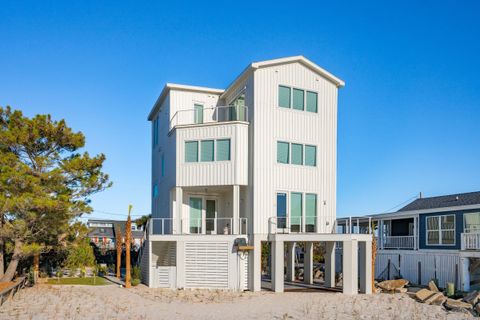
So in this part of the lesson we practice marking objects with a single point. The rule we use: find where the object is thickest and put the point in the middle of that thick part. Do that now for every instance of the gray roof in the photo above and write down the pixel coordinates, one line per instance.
(451, 200)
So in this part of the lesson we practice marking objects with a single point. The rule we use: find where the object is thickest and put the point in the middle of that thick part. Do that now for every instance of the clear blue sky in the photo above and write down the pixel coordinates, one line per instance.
(408, 116)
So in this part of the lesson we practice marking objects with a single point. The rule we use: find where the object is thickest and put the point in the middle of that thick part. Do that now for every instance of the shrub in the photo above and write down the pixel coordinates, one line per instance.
(136, 273)
(135, 282)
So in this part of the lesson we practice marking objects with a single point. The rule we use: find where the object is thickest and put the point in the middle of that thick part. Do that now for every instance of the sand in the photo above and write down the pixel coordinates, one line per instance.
(113, 302)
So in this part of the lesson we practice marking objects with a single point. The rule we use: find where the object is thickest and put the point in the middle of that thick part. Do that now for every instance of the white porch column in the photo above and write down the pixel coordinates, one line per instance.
(236, 209)
(277, 266)
(180, 264)
(350, 267)
(465, 263)
(291, 261)
(178, 222)
(329, 275)
(365, 266)
(380, 234)
(415, 233)
(308, 263)
(255, 266)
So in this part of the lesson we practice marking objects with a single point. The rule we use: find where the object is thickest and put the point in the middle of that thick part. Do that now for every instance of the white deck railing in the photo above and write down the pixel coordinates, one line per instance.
(213, 226)
(398, 242)
(208, 115)
(471, 241)
(298, 224)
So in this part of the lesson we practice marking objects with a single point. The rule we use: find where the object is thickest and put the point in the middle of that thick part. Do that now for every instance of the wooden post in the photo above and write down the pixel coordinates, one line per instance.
(118, 240)
(128, 237)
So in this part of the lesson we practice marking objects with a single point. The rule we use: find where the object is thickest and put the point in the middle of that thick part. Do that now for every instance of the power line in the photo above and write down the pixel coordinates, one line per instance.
(118, 214)
(398, 205)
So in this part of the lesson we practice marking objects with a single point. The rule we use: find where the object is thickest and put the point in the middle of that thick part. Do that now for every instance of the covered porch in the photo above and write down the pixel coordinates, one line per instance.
(206, 210)
(397, 233)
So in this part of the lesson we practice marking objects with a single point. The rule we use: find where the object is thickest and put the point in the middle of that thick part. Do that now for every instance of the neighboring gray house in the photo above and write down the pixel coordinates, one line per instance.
(103, 233)
(429, 238)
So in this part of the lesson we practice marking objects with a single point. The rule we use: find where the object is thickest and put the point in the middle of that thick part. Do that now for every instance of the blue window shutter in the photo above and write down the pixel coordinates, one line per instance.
(297, 153)
(298, 99)
(310, 156)
(155, 190)
(223, 149)
(191, 151)
(296, 208)
(312, 101)
(207, 149)
(310, 208)
(284, 97)
(282, 152)
(198, 113)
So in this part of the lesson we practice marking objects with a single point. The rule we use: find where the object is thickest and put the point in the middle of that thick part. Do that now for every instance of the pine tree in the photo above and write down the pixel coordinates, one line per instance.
(45, 182)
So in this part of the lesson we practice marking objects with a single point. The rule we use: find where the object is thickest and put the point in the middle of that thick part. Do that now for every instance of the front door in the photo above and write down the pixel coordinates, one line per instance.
(211, 216)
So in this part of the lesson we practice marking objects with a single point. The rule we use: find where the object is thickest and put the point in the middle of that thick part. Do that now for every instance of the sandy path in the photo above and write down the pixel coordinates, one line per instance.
(112, 302)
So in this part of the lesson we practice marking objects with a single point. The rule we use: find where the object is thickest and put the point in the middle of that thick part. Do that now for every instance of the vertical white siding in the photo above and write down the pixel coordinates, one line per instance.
(272, 123)
(215, 173)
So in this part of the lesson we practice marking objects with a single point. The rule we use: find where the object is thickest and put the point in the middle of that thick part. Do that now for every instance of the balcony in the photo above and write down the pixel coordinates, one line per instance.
(206, 226)
(209, 115)
(470, 241)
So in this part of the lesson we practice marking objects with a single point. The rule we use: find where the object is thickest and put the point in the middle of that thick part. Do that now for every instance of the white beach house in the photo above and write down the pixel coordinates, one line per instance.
(252, 163)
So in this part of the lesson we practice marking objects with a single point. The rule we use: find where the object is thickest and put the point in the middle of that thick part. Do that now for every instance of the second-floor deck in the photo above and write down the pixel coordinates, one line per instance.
(205, 226)
(200, 115)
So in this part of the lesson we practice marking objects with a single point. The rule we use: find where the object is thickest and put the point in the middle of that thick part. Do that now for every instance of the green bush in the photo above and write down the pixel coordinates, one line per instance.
(136, 273)
(135, 282)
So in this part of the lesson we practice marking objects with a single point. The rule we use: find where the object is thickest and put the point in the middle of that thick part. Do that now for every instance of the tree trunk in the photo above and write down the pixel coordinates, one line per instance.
(119, 262)
(12, 266)
(2, 262)
(2, 251)
(36, 267)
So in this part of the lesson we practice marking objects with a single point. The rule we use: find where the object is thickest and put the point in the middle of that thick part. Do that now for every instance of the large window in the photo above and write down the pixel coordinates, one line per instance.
(310, 212)
(207, 150)
(282, 152)
(310, 156)
(296, 209)
(441, 230)
(223, 149)
(312, 101)
(300, 154)
(297, 153)
(298, 99)
(284, 97)
(195, 215)
(191, 151)
(281, 210)
(471, 222)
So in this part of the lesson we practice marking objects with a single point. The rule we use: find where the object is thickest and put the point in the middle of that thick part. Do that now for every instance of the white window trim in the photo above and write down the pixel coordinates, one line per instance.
(440, 230)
